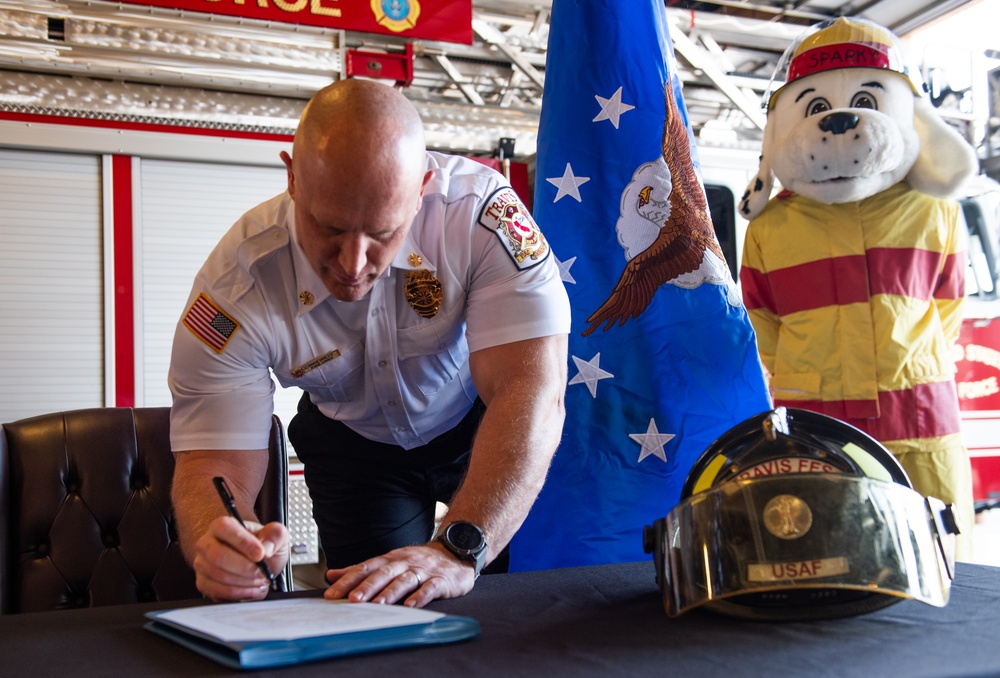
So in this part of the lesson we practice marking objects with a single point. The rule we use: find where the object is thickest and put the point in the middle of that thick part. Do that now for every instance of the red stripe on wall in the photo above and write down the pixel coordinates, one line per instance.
(142, 126)
(124, 321)
(925, 411)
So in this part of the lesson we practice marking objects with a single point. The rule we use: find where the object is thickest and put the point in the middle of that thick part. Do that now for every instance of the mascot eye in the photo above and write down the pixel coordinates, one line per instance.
(819, 105)
(864, 100)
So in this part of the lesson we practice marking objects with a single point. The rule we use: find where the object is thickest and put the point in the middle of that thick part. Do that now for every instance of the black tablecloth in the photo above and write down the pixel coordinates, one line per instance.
(591, 621)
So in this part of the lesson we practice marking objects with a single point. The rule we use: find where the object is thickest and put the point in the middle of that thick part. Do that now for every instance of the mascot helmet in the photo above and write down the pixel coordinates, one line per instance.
(794, 515)
(842, 43)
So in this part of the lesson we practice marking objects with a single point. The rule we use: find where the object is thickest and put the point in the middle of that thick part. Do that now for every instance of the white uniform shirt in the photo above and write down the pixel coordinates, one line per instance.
(376, 364)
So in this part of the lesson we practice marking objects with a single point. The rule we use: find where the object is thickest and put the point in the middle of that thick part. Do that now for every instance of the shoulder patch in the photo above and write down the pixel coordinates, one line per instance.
(210, 323)
(508, 218)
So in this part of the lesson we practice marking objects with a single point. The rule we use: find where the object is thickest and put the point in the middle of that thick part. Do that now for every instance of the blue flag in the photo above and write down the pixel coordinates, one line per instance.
(663, 359)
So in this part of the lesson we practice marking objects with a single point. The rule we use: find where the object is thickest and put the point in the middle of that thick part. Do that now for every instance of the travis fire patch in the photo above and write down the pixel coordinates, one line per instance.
(508, 218)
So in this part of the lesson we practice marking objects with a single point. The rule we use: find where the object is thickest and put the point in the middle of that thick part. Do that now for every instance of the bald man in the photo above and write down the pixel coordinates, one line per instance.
(413, 299)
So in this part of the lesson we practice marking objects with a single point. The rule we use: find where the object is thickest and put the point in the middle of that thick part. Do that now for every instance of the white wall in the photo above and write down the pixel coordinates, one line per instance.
(55, 350)
(51, 283)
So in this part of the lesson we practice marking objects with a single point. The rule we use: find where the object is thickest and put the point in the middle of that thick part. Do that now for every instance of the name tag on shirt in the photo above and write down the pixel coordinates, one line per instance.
(301, 370)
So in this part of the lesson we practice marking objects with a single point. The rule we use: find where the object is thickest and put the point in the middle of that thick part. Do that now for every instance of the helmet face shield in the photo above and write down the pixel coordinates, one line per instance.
(787, 530)
(812, 540)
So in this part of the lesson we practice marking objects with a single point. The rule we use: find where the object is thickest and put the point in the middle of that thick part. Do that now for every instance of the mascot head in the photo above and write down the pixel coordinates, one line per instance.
(850, 121)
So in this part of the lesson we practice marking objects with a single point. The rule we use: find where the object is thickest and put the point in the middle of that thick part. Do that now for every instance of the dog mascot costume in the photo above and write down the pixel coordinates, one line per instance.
(854, 274)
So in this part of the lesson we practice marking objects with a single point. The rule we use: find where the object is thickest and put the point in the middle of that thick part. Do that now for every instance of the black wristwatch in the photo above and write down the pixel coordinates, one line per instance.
(467, 542)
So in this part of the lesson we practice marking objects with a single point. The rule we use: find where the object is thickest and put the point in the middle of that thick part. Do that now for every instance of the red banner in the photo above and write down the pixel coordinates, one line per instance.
(447, 20)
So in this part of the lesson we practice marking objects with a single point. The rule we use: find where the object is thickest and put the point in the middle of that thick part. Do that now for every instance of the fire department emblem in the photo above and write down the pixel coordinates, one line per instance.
(396, 15)
(423, 292)
(506, 215)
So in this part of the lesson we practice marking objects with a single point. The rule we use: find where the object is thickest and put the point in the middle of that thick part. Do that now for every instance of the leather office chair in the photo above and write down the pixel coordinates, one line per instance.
(85, 512)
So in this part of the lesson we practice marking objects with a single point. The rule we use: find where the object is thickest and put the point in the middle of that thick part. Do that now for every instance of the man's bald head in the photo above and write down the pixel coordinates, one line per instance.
(365, 126)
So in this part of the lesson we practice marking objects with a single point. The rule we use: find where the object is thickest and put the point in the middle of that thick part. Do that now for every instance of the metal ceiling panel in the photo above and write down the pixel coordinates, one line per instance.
(56, 54)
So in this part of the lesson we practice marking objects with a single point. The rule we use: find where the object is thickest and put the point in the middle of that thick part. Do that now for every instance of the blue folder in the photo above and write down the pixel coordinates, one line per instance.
(264, 653)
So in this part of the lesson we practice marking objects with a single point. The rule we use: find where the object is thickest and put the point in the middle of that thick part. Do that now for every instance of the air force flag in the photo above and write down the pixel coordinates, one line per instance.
(663, 359)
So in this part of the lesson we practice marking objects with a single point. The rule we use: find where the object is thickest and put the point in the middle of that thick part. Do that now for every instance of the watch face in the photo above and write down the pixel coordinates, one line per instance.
(465, 536)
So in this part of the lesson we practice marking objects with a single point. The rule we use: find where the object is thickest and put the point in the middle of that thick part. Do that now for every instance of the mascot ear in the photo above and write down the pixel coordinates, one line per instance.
(758, 192)
(946, 160)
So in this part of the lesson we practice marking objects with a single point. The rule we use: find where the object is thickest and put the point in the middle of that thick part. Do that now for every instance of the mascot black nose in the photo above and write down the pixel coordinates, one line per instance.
(838, 123)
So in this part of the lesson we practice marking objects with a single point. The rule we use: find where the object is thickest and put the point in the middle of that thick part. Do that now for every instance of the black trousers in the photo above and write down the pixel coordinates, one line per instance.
(370, 497)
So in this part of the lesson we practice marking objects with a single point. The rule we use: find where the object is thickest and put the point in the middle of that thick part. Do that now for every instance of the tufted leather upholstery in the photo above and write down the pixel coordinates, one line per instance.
(85, 513)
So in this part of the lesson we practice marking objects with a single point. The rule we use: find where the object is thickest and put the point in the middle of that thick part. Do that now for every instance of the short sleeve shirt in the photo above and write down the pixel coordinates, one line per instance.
(473, 272)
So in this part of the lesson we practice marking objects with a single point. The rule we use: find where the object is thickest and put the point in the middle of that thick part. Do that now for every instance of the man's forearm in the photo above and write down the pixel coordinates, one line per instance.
(195, 501)
(517, 437)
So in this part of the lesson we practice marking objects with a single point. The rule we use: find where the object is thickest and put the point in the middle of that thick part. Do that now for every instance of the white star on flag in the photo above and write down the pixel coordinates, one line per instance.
(568, 184)
(652, 441)
(612, 109)
(590, 373)
(564, 267)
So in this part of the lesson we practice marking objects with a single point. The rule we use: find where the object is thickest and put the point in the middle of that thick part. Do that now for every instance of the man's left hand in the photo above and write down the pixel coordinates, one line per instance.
(419, 573)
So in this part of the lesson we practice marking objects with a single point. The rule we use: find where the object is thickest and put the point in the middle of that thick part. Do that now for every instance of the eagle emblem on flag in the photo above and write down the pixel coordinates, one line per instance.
(664, 213)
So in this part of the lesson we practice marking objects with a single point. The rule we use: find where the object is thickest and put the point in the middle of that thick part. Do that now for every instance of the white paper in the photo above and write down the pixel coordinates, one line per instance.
(293, 618)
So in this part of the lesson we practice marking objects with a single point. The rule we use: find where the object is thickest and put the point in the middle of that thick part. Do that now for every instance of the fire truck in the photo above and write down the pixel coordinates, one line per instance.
(977, 353)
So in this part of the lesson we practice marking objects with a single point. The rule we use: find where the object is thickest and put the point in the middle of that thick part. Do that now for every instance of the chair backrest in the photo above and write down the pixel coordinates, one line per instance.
(85, 512)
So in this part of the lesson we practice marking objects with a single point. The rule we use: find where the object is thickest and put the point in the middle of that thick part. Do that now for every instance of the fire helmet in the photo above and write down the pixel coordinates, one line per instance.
(794, 515)
(841, 43)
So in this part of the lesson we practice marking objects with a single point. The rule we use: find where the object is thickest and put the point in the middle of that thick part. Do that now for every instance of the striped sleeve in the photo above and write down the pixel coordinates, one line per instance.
(950, 291)
(759, 300)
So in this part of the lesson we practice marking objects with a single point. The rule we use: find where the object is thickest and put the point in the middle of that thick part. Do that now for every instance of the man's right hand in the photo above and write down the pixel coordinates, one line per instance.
(225, 558)
(222, 553)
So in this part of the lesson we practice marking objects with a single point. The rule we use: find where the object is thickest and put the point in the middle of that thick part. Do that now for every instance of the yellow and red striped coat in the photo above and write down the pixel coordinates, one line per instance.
(857, 307)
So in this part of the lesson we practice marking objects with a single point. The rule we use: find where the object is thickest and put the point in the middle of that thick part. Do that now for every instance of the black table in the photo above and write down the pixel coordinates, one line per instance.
(590, 621)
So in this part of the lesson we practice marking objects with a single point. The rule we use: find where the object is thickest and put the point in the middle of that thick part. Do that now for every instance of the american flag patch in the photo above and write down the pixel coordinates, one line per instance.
(210, 324)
